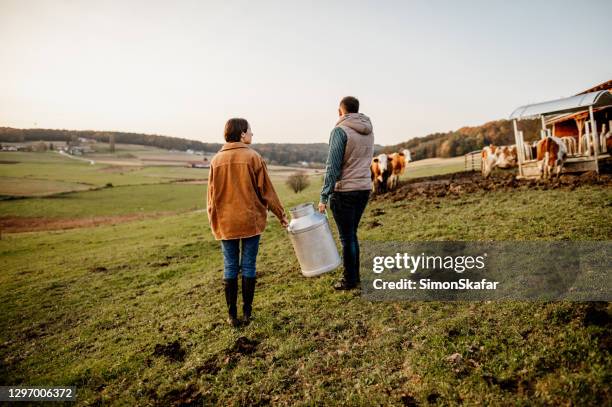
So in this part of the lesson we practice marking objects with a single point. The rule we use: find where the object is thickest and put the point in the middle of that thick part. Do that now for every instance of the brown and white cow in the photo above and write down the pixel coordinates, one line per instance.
(552, 153)
(397, 162)
(407, 155)
(380, 171)
(497, 156)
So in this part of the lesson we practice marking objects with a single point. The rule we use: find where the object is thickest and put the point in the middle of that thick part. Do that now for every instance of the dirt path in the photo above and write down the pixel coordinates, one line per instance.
(457, 184)
(14, 224)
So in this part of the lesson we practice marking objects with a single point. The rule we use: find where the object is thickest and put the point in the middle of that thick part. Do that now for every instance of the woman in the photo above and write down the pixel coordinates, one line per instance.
(239, 194)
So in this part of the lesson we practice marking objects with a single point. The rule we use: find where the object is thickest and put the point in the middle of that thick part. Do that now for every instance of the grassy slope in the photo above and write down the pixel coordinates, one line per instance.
(124, 200)
(32, 168)
(66, 321)
(437, 166)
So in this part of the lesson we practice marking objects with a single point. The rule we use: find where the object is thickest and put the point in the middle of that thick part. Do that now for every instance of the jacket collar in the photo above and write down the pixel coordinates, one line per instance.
(233, 145)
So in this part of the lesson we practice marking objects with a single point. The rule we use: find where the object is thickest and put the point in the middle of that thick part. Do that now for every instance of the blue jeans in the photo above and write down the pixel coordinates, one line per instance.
(231, 257)
(347, 208)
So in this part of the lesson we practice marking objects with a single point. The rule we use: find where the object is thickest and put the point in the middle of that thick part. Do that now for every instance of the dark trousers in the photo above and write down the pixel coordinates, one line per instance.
(347, 208)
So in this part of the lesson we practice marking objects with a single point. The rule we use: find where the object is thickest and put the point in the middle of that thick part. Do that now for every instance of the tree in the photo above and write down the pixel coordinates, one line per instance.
(298, 181)
(73, 141)
(111, 142)
(39, 147)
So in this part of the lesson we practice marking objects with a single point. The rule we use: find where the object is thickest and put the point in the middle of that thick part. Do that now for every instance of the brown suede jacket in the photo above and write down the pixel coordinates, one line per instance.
(240, 193)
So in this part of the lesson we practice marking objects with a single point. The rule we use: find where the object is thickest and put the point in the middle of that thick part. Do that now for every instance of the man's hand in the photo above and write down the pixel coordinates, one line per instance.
(284, 221)
(322, 207)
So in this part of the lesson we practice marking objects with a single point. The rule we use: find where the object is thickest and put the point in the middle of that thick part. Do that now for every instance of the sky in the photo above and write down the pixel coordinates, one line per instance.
(182, 68)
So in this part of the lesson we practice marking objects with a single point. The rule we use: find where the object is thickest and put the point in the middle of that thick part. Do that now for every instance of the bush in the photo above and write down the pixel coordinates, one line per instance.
(39, 147)
(298, 181)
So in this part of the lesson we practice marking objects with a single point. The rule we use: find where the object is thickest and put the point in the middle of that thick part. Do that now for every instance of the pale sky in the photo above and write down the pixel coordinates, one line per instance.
(182, 68)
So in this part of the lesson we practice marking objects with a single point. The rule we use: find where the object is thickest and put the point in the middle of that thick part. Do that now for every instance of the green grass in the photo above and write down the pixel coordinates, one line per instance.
(130, 199)
(436, 166)
(28, 187)
(555, 214)
(122, 200)
(87, 307)
(50, 166)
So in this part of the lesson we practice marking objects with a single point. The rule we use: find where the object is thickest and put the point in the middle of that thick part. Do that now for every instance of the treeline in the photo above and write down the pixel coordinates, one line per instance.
(466, 139)
(284, 154)
(449, 144)
(274, 153)
(8, 134)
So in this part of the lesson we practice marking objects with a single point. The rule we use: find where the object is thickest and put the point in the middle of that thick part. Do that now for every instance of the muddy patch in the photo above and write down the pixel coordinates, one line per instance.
(462, 183)
(597, 314)
(210, 366)
(373, 224)
(242, 347)
(113, 169)
(191, 181)
(188, 396)
(172, 351)
(15, 224)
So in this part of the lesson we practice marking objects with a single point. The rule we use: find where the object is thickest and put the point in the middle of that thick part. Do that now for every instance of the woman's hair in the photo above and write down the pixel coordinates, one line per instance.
(234, 129)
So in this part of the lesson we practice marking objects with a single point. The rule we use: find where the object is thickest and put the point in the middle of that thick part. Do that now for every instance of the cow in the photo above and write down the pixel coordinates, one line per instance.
(497, 156)
(407, 155)
(552, 153)
(380, 171)
(397, 162)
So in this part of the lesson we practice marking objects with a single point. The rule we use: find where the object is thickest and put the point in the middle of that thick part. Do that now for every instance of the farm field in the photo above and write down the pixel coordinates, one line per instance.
(437, 166)
(132, 313)
(55, 167)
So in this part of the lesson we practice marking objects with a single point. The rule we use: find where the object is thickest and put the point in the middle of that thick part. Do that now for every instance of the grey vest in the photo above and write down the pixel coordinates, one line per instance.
(355, 175)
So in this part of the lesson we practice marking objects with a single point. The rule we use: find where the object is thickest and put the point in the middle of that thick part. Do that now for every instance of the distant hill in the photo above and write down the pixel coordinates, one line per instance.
(450, 144)
(274, 153)
(466, 139)
(8, 134)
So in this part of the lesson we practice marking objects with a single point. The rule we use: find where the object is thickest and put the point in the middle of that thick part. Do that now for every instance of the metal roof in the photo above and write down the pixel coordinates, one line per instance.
(565, 105)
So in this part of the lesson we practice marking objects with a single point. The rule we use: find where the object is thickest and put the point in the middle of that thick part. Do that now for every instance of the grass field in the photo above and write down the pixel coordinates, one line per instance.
(438, 166)
(133, 314)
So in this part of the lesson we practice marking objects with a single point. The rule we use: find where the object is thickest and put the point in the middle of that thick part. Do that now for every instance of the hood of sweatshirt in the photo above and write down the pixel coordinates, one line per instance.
(356, 121)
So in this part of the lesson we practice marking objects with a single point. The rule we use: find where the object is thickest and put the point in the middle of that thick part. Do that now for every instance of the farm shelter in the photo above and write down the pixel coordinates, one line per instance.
(586, 118)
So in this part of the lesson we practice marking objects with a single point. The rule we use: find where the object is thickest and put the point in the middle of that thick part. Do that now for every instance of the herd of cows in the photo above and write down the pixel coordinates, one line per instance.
(550, 154)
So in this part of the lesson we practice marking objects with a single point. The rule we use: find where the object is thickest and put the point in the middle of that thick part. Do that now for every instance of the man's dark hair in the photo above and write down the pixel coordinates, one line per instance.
(234, 129)
(350, 104)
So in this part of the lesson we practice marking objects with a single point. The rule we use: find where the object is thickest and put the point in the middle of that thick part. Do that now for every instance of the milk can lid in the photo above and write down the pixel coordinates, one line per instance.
(304, 224)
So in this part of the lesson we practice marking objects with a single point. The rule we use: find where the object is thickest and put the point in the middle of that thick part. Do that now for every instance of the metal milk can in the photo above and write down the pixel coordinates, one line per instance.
(312, 240)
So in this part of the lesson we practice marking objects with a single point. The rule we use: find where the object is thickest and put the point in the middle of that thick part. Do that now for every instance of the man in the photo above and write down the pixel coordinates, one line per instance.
(347, 182)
